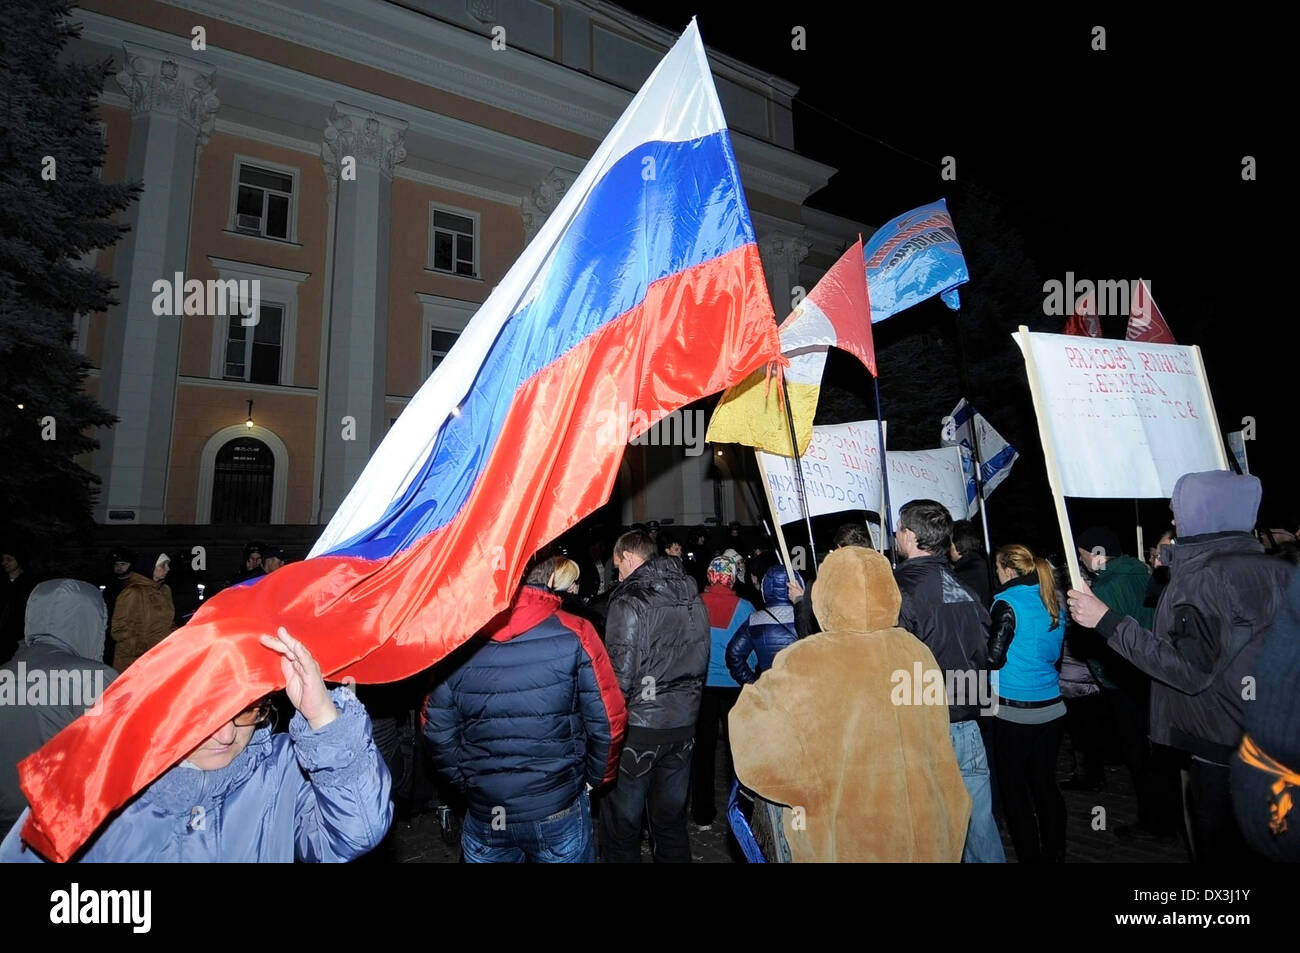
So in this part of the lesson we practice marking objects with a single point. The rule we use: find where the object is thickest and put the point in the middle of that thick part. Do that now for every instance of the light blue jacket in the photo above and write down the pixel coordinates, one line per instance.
(306, 795)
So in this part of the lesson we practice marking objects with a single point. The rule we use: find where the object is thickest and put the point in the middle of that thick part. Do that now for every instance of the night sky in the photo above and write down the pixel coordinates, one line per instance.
(1113, 164)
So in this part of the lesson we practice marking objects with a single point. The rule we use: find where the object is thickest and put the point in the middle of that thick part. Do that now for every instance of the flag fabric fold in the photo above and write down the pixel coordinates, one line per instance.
(914, 257)
(1145, 322)
(641, 293)
(996, 455)
(833, 314)
(1083, 320)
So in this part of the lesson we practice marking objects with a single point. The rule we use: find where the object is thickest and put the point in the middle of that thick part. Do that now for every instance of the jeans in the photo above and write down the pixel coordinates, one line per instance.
(653, 780)
(983, 842)
(563, 838)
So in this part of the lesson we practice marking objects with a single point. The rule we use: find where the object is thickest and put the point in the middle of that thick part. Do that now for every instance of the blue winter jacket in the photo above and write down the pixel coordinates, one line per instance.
(1025, 646)
(766, 632)
(727, 613)
(530, 714)
(306, 795)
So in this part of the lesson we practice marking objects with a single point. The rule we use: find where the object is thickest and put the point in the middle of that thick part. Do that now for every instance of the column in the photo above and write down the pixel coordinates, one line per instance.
(781, 254)
(359, 151)
(173, 109)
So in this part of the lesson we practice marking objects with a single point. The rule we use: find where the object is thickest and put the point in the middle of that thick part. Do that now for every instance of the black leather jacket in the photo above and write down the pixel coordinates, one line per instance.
(657, 637)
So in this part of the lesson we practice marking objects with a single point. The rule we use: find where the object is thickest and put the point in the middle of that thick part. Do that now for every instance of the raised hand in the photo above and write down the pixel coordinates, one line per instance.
(303, 682)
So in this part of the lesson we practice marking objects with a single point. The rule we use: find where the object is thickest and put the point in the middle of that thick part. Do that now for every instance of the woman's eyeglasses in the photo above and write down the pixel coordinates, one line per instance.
(255, 715)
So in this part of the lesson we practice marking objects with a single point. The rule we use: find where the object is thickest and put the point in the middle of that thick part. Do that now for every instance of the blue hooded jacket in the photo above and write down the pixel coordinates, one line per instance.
(306, 795)
(767, 631)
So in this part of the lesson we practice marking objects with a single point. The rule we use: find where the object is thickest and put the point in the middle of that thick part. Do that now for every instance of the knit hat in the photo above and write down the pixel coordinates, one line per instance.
(722, 571)
(1100, 539)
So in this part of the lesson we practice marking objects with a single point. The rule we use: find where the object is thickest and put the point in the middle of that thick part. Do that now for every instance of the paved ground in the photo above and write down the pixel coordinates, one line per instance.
(419, 840)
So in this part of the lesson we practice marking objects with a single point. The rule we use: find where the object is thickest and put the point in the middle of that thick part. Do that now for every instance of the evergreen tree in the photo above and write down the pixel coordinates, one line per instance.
(53, 210)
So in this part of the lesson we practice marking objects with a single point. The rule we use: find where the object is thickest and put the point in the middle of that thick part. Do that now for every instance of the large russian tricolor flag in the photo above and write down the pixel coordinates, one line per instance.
(642, 291)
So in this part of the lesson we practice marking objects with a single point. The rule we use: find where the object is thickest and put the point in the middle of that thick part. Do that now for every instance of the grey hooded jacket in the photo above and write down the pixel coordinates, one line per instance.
(1210, 622)
(54, 677)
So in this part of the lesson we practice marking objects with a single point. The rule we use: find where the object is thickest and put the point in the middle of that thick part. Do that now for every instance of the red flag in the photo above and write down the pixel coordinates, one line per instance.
(1084, 322)
(1145, 322)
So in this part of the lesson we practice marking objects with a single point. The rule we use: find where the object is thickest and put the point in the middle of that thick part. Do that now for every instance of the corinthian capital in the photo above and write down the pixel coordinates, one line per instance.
(373, 140)
(170, 85)
(781, 250)
(540, 203)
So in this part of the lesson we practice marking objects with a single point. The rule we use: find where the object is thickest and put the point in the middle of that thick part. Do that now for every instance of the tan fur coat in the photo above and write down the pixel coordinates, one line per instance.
(866, 780)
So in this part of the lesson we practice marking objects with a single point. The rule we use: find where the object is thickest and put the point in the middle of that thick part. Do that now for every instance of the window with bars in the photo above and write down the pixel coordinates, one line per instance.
(452, 242)
(253, 353)
(264, 202)
(243, 482)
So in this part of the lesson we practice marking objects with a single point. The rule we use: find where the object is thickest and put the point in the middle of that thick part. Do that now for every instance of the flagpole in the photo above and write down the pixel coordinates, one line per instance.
(798, 470)
(776, 519)
(975, 446)
(887, 516)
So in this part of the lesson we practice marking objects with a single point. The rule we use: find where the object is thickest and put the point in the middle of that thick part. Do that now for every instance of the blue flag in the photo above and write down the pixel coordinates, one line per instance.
(913, 257)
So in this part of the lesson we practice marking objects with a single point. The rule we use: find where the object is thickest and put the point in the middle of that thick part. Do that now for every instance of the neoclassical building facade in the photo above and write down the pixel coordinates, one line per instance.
(375, 168)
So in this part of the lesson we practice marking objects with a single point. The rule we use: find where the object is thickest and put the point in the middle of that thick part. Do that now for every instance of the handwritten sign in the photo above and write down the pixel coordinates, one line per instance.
(1125, 418)
(841, 471)
(927, 475)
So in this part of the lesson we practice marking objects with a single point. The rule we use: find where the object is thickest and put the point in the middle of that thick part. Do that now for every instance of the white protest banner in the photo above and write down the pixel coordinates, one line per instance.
(927, 475)
(1123, 418)
(841, 472)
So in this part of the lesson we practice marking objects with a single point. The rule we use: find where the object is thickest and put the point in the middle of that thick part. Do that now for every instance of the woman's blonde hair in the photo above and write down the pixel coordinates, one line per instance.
(1023, 562)
(564, 575)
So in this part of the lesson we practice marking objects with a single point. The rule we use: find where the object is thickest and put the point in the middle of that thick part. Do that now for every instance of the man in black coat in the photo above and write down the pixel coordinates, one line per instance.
(969, 564)
(657, 637)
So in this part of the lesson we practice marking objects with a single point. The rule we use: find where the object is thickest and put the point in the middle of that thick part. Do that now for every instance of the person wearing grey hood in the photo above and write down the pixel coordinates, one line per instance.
(55, 676)
(1202, 649)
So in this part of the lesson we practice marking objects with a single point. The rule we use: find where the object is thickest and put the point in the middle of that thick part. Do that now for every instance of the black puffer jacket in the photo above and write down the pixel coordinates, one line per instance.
(943, 614)
(657, 636)
(1210, 623)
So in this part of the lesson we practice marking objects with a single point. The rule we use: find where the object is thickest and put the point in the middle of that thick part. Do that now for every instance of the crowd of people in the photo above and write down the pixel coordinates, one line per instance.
(869, 712)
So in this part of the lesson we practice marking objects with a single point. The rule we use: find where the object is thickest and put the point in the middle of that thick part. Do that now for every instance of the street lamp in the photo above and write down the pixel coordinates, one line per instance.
(249, 422)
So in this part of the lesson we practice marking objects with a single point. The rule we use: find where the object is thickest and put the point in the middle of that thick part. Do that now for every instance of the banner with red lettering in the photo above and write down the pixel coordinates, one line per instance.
(1125, 418)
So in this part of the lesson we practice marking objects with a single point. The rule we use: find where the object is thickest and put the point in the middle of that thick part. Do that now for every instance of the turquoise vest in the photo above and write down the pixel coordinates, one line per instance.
(1029, 674)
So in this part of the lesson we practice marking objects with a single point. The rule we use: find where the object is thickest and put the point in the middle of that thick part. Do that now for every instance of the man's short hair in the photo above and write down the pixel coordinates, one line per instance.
(638, 543)
(966, 538)
(852, 534)
(930, 521)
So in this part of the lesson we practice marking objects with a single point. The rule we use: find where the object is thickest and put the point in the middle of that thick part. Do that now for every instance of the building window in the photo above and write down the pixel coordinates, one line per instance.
(440, 342)
(264, 201)
(453, 241)
(444, 320)
(263, 353)
(243, 482)
(253, 353)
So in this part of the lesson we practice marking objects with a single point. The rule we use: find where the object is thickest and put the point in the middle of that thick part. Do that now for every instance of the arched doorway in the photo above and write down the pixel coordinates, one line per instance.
(243, 482)
(219, 444)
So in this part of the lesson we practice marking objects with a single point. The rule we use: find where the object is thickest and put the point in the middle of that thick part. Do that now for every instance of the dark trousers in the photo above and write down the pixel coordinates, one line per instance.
(715, 705)
(653, 781)
(1085, 719)
(1154, 768)
(1031, 802)
(1215, 835)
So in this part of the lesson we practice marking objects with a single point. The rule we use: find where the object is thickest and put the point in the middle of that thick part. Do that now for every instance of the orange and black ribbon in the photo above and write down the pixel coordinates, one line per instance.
(1287, 779)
